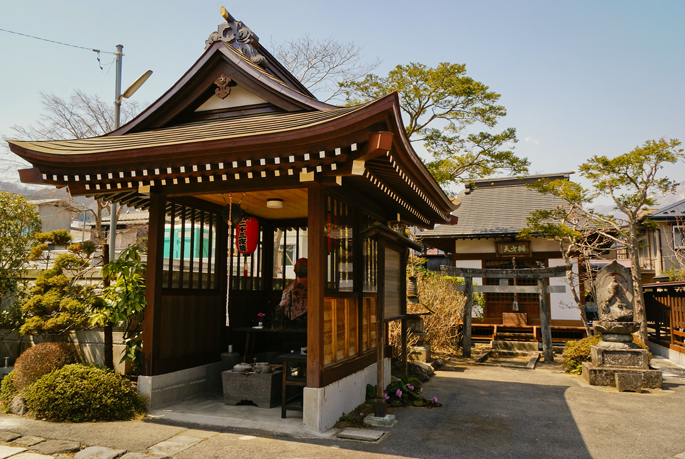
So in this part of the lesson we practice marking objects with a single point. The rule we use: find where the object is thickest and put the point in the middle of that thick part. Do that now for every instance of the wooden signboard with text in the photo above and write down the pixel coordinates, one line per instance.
(513, 249)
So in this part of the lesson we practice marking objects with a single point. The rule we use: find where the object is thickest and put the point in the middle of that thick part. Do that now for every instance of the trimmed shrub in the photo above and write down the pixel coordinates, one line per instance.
(7, 391)
(577, 352)
(40, 360)
(84, 393)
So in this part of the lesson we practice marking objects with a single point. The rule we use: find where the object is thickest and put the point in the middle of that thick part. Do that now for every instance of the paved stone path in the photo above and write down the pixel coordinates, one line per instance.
(17, 446)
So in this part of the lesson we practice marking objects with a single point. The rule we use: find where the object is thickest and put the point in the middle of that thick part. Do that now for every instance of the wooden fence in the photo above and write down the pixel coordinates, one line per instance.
(665, 309)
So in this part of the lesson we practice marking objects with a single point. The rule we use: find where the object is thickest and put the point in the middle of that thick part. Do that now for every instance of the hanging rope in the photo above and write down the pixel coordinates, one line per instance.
(230, 247)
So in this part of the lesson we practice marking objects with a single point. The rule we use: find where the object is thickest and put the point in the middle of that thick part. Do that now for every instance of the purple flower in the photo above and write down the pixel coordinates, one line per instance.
(261, 314)
(420, 390)
(383, 387)
(398, 393)
(435, 399)
(410, 387)
(387, 397)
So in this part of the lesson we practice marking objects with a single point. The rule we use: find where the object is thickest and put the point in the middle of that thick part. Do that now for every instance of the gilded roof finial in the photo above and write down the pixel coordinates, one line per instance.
(238, 35)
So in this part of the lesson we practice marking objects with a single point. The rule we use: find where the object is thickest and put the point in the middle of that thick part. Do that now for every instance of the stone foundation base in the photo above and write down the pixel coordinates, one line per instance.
(595, 376)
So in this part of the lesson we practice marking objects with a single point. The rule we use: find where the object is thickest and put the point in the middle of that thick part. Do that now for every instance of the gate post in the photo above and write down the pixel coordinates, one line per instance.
(466, 344)
(545, 322)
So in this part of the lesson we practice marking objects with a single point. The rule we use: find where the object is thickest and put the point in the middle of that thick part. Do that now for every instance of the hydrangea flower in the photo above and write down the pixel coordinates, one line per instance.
(420, 390)
(387, 397)
(435, 399)
(410, 387)
(398, 393)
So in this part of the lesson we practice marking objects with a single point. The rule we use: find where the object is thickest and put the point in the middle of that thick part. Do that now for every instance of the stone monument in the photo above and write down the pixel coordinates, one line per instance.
(616, 360)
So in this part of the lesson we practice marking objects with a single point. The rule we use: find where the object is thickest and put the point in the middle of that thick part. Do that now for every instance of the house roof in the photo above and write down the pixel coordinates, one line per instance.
(55, 202)
(496, 208)
(671, 212)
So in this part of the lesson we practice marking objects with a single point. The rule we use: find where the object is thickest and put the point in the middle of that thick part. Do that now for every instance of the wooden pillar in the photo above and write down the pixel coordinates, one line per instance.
(153, 284)
(316, 209)
(379, 403)
(545, 322)
(405, 368)
(466, 344)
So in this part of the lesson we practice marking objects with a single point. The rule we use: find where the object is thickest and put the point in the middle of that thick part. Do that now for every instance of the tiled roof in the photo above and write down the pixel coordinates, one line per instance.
(202, 131)
(671, 212)
(494, 210)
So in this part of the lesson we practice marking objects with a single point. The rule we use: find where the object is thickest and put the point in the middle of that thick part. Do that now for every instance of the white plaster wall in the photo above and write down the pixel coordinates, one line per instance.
(544, 245)
(239, 97)
(561, 305)
(477, 311)
(462, 246)
(324, 405)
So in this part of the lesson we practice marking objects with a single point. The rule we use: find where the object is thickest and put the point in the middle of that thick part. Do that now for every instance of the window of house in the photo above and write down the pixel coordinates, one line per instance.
(679, 237)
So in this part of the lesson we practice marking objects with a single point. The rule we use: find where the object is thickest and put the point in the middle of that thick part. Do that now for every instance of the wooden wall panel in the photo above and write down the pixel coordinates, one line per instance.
(190, 325)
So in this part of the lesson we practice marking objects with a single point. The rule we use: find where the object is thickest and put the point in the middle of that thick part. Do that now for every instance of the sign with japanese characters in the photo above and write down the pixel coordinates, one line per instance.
(513, 249)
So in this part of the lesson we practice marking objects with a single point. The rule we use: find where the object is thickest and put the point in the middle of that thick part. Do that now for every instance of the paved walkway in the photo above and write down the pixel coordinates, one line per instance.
(488, 412)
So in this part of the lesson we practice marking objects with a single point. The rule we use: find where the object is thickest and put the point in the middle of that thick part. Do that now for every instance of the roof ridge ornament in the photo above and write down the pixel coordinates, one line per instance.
(237, 34)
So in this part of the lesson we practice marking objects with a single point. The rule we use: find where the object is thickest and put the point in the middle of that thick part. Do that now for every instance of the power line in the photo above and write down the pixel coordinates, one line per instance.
(56, 42)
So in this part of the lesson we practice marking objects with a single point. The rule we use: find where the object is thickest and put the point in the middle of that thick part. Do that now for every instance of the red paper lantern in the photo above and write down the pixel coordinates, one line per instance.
(247, 235)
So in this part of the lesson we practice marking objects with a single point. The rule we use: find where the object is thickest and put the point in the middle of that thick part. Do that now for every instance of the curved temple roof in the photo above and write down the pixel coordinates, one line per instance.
(290, 138)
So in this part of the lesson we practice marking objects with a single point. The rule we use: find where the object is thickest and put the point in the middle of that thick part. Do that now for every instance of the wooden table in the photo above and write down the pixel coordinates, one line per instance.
(253, 332)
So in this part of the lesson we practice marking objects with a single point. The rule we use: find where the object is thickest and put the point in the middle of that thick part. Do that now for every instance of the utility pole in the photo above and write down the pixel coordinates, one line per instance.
(117, 114)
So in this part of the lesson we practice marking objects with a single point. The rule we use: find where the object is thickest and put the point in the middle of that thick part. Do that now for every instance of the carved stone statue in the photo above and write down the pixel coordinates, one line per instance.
(615, 294)
(615, 304)
(238, 35)
(616, 360)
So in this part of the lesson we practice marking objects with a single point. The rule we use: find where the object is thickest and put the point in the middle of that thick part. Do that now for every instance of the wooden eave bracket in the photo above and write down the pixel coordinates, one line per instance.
(32, 176)
(379, 143)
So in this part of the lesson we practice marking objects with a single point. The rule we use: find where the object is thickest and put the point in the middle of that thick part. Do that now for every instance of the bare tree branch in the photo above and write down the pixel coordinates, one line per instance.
(322, 65)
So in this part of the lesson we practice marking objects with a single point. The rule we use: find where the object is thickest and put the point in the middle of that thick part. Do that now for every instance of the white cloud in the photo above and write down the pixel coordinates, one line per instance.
(532, 140)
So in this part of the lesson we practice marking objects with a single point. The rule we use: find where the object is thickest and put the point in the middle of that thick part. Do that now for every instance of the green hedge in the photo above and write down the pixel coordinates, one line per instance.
(7, 391)
(84, 393)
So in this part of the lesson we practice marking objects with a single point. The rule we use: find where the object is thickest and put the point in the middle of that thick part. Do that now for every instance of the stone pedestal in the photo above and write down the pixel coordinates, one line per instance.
(263, 390)
(621, 364)
(606, 376)
(612, 357)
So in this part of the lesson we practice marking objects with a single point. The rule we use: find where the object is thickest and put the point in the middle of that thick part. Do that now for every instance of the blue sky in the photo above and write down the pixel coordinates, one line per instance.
(577, 78)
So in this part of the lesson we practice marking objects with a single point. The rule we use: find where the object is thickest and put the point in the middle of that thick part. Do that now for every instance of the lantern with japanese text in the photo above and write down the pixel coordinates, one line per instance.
(247, 235)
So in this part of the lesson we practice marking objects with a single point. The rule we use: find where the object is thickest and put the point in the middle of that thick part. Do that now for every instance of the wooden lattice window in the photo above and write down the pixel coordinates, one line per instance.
(189, 248)
(369, 327)
(340, 329)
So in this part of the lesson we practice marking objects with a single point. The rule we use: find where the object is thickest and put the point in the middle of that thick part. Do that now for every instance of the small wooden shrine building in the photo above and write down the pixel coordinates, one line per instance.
(238, 128)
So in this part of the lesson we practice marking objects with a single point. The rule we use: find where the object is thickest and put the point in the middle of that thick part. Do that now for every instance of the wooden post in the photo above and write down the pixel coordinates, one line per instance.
(316, 208)
(107, 329)
(545, 322)
(405, 369)
(153, 284)
(379, 403)
(466, 344)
